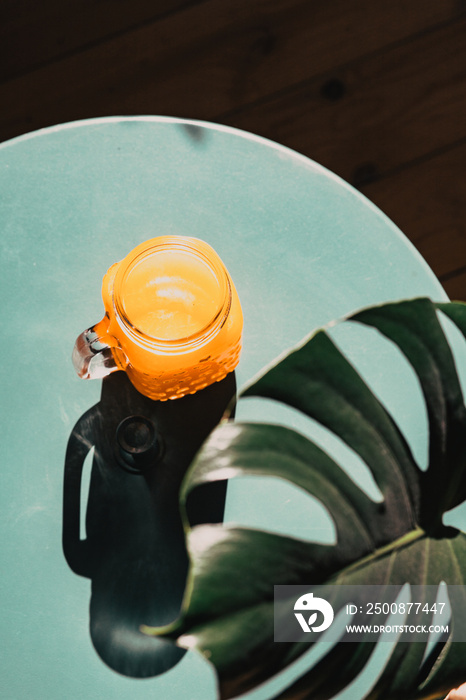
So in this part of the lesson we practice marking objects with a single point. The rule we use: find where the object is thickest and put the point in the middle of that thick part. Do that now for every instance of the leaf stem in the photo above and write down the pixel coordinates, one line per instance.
(401, 542)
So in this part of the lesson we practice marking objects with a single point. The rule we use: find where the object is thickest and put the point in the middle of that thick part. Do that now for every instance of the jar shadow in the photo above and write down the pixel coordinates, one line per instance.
(134, 551)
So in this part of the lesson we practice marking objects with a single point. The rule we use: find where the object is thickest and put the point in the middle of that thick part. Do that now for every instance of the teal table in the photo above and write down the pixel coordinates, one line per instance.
(302, 247)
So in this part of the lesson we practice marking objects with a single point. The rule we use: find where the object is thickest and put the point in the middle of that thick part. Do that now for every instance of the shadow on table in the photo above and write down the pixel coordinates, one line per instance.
(134, 551)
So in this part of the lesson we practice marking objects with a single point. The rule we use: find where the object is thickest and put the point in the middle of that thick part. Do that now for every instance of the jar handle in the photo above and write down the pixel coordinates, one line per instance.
(93, 356)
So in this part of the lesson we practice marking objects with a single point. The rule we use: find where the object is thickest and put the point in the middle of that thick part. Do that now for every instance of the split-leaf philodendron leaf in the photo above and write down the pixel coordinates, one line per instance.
(228, 608)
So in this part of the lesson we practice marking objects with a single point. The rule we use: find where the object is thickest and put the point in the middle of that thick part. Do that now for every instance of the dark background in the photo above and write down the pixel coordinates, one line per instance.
(373, 89)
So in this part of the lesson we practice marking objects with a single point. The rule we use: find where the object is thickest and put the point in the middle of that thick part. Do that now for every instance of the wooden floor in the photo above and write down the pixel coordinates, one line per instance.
(373, 89)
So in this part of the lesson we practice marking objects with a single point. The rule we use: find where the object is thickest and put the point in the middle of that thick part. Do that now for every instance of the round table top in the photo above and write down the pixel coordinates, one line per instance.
(302, 247)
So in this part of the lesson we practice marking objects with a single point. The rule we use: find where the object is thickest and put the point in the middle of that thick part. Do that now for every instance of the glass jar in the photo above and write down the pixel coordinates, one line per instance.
(173, 320)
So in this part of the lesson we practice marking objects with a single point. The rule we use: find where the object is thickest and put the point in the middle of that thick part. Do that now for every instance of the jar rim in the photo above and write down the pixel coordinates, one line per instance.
(202, 251)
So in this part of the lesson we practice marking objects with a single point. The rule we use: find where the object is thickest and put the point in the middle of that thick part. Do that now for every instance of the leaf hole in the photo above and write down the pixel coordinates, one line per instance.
(85, 486)
(272, 504)
(391, 379)
(269, 411)
(298, 668)
(456, 517)
(457, 345)
(438, 619)
(367, 679)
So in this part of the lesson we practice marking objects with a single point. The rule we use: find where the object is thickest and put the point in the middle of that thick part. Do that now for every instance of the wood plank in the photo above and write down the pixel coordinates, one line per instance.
(372, 116)
(428, 202)
(455, 286)
(211, 58)
(33, 33)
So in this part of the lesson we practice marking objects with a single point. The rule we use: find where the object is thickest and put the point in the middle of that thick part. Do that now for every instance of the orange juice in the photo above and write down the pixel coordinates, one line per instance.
(173, 299)
(173, 318)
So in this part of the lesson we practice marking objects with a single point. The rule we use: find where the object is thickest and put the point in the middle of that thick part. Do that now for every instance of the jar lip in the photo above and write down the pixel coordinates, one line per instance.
(209, 257)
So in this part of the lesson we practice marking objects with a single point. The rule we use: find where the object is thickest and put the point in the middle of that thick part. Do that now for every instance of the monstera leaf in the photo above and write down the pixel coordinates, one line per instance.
(228, 608)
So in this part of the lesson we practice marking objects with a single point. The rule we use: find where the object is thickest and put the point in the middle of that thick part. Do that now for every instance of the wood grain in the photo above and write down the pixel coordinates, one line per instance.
(427, 201)
(367, 118)
(455, 286)
(376, 91)
(35, 33)
(211, 58)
